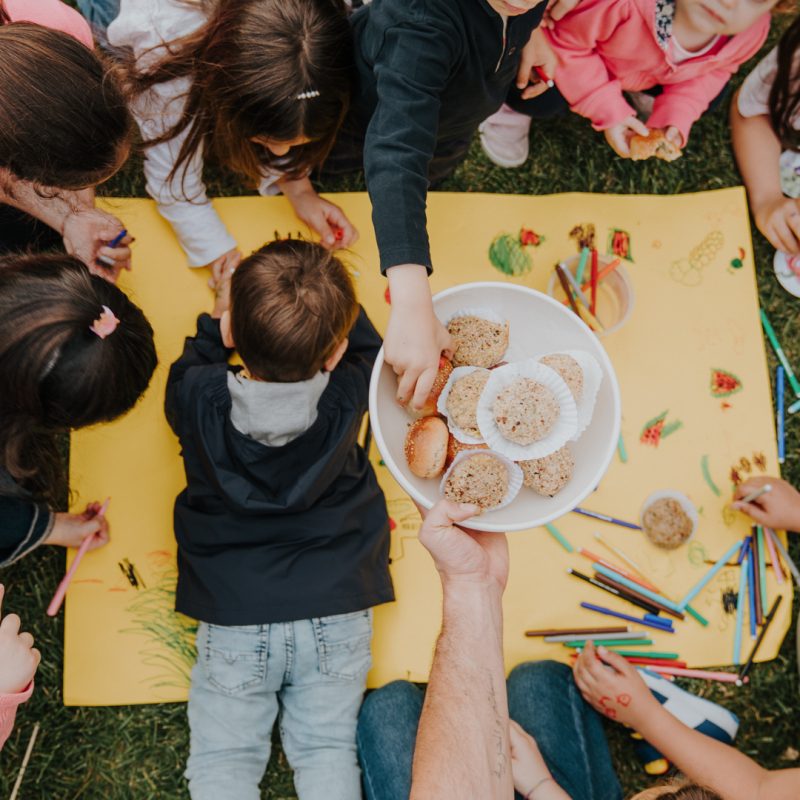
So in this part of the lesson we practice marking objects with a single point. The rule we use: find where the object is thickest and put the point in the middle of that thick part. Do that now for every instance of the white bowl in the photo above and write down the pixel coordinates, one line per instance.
(539, 325)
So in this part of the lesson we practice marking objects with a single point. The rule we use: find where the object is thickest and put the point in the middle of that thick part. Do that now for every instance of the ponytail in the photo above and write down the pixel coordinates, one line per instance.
(784, 97)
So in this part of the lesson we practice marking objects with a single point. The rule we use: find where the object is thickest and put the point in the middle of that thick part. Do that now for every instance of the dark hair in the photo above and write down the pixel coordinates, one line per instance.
(56, 373)
(64, 121)
(292, 304)
(784, 96)
(271, 68)
(677, 791)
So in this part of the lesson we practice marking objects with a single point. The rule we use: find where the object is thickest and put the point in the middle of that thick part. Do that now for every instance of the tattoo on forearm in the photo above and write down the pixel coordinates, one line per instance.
(498, 735)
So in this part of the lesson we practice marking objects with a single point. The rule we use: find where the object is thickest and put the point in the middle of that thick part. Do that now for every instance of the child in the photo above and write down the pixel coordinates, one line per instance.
(48, 171)
(282, 530)
(74, 351)
(19, 660)
(262, 85)
(765, 120)
(778, 509)
(681, 51)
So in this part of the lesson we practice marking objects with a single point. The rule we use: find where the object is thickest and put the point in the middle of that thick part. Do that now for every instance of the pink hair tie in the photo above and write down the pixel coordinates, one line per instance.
(105, 324)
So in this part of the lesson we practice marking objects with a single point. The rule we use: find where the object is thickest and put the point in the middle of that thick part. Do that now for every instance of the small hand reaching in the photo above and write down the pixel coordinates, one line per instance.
(19, 659)
(619, 136)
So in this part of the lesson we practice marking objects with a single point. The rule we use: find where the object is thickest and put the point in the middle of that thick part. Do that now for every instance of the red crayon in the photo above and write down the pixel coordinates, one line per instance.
(544, 77)
(593, 309)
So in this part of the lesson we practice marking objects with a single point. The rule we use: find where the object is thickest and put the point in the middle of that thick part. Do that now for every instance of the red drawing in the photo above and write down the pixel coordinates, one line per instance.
(529, 237)
(725, 406)
(724, 383)
(387, 296)
(392, 524)
(658, 428)
(624, 700)
(736, 478)
(619, 243)
(760, 460)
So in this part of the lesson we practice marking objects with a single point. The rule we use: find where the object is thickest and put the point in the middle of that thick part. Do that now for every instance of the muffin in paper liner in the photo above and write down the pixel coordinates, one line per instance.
(514, 475)
(441, 405)
(564, 429)
(489, 315)
(685, 503)
(592, 378)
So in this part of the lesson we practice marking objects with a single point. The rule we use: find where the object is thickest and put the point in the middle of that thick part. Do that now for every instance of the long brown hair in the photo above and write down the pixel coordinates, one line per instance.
(64, 121)
(269, 68)
(56, 373)
(784, 97)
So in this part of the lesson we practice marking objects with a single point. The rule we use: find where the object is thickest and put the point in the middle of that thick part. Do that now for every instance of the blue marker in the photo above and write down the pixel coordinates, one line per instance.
(118, 238)
(780, 375)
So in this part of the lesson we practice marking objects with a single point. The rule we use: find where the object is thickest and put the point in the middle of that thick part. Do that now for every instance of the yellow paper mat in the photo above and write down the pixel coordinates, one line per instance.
(695, 311)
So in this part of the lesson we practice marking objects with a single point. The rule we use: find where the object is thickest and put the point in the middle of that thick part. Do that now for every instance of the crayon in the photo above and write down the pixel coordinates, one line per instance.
(776, 346)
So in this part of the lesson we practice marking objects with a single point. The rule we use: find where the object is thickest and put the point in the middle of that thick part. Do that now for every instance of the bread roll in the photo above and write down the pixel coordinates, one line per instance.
(654, 144)
(426, 447)
(429, 409)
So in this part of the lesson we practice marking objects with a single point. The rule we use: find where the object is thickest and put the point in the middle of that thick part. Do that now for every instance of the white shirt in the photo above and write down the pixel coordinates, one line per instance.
(679, 54)
(754, 94)
(143, 25)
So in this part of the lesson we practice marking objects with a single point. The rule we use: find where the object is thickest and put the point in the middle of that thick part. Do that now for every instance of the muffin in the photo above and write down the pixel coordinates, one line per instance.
(666, 523)
(454, 447)
(478, 342)
(525, 411)
(442, 376)
(426, 447)
(462, 401)
(569, 369)
(549, 475)
(481, 479)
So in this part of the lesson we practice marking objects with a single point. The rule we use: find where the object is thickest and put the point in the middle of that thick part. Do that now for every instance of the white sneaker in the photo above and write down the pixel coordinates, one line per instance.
(787, 270)
(505, 137)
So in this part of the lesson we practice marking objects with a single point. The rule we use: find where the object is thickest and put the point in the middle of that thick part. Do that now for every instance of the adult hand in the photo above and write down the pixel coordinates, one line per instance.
(779, 220)
(619, 136)
(527, 763)
(224, 266)
(18, 657)
(612, 686)
(462, 555)
(537, 53)
(69, 530)
(415, 339)
(86, 233)
(328, 220)
(556, 9)
(779, 508)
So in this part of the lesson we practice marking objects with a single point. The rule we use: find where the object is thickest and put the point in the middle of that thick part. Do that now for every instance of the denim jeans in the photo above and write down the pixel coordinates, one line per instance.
(542, 697)
(100, 13)
(310, 673)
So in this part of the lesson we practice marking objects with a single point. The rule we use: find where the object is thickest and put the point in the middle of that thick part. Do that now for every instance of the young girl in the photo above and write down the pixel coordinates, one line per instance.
(682, 52)
(74, 351)
(765, 122)
(262, 85)
(48, 171)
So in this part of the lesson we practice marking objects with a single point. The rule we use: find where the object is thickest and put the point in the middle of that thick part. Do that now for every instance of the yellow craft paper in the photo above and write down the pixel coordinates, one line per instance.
(693, 312)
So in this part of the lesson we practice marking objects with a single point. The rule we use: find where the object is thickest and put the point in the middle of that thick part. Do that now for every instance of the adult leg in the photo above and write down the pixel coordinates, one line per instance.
(232, 708)
(386, 735)
(322, 693)
(544, 700)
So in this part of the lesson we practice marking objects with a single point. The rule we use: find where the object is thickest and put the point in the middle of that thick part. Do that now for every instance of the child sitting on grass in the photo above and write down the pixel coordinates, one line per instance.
(283, 534)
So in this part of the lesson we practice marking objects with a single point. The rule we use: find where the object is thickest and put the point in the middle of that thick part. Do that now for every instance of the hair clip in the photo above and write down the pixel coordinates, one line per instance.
(105, 324)
(308, 95)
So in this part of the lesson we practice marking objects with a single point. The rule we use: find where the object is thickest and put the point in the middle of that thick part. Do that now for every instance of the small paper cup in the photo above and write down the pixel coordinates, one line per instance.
(686, 504)
(563, 430)
(441, 405)
(514, 475)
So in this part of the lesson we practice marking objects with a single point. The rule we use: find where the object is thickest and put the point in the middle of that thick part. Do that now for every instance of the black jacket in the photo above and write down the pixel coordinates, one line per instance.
(273, 534)
(429, 72)
(24, 523)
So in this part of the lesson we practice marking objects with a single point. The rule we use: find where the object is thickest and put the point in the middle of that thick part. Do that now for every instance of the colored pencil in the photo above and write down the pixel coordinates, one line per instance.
(762, 570)
(660, 626)
(737, 639)
(24, 766)
(604, 273)
(587, 315)
(667, 623)
(767, 622)
(619, 570)
(562, 278)
(702, 674)
(769, 536)
(118, 238)
(776, 346)
(617, 552)
(594, 274)
(794, 407)
(703, 582)
(780, 411)
(559, 537)
(596, 637)
(636, 654)
(544, 77)
(697, 616)
(616, 592)
(751, 592)
(743, 551)
(640, 596)
(623, 453)
(655, 662)
(581, 643)
(605, 518)
(582, 261)
(654, 597)
(61, 591)
(787, 559)
(756, 570)
(756, 493)
(577, 631)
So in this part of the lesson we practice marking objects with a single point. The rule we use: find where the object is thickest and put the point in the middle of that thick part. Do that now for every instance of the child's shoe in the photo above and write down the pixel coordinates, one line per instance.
(505, 137)
(787, 270)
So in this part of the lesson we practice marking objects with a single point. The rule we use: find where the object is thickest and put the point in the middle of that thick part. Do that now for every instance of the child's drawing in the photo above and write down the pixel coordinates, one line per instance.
(584, 235)
(658, 428)
(509, 254)
(689, 271)
(619, 244)
(724, 383)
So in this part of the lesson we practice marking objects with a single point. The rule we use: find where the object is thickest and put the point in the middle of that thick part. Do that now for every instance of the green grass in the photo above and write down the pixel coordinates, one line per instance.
(133, 753)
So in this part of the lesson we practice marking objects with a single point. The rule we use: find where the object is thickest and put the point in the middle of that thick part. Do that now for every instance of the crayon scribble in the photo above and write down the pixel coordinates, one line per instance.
(131, 574)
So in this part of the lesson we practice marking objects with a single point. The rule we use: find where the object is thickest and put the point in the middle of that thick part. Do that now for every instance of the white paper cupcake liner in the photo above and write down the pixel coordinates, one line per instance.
(511, 354)
(441, 405)
(564, 428)
(514, 475)
(686, 504)
(592, 378)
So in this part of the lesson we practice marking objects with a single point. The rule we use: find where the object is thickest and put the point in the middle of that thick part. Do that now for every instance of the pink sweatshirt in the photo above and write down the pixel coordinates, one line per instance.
(607, 46)
(51, 14)
(8, 711)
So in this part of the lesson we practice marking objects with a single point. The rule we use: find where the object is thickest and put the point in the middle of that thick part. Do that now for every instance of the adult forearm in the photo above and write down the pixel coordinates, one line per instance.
(462, 745)
(51, 206)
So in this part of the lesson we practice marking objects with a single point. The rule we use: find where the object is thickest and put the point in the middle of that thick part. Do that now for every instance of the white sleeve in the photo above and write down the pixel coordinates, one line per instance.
(754, 94)
(143, 25)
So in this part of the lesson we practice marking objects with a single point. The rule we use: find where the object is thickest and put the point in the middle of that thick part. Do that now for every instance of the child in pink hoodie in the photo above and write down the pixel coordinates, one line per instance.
(18, 662)
(683, 52)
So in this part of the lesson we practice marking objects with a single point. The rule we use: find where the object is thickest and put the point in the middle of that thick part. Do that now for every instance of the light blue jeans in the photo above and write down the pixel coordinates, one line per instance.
(312, 673)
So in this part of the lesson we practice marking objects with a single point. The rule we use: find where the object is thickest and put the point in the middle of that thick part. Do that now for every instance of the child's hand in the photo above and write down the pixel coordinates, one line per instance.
(70, 530)
(612, 686)
(328, 220)
(556, 9)
(18, 657)
(779, 220)
(86, 234)
(619, 136)
(222, 266)
(527, 764)
(779, 509)
(222, 293)
(537, 53)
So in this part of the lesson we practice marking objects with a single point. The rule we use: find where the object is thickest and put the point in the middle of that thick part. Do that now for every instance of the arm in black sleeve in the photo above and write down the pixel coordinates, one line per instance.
(364, 344)
(206, 347)
(24, 525)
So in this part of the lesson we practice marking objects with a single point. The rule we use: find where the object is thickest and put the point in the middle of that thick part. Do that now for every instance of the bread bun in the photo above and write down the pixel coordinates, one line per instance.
(655, 144)
(429, 409)
(426, 447)
(454, 447)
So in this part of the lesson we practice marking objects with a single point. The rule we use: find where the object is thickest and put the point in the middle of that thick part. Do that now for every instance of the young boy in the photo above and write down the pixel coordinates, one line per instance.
(283, 534)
